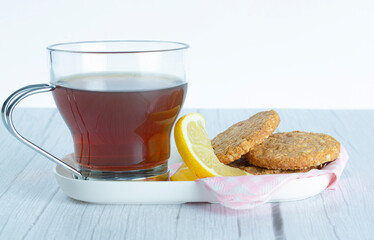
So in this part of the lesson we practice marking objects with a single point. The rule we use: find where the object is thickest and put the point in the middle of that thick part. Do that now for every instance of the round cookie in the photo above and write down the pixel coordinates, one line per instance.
(238, 139)
(294, 150)
(243, 164)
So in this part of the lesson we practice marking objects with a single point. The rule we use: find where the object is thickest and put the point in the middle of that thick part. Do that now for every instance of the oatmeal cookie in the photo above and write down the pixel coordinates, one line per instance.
(243, 164)
(294, 150)
(238, 139)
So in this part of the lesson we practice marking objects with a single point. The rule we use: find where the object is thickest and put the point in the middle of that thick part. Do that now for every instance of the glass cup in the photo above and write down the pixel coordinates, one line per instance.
(119, 100)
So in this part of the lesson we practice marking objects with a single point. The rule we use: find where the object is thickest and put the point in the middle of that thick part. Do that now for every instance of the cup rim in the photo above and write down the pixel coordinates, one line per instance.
(64, 47)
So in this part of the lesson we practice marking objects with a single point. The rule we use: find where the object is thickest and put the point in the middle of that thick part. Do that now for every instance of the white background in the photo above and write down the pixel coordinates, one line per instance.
(244, 54)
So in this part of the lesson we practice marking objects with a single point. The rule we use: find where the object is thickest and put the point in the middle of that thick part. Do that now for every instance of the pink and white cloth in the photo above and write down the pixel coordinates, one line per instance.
(249, 191)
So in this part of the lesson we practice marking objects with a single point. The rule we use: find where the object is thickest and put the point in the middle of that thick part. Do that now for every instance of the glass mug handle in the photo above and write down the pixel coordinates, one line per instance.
(6, 114)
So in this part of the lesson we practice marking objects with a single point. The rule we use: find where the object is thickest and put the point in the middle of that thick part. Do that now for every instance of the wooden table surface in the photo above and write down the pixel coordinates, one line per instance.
(33, 207)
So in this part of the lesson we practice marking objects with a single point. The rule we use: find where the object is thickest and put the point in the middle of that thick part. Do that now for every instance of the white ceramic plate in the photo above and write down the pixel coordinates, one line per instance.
(126, 192)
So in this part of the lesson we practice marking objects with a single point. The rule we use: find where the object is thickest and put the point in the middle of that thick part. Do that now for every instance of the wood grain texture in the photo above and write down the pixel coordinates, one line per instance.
(33, 207)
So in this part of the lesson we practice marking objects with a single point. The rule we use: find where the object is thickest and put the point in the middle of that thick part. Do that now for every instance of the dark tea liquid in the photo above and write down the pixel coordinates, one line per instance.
(119, 121)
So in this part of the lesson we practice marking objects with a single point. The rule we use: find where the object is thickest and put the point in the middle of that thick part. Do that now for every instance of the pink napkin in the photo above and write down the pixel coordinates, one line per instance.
(249, 191)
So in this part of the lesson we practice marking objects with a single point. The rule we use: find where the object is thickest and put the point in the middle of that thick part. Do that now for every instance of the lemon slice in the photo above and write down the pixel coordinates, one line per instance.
(196, 150)
(183, 174)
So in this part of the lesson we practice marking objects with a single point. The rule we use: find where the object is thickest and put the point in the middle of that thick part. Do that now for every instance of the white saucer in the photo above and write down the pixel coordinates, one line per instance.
(127, 192)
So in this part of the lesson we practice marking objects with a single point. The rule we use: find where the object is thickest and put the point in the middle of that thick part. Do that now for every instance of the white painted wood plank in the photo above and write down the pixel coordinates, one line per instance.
(346, 213)
(332, 123)
(31, 205)
(206, 221)
(69, 219)
(32, 185)
(12, 161)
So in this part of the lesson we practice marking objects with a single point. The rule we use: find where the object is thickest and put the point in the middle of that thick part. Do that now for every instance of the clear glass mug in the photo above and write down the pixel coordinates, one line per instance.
(119, 100)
